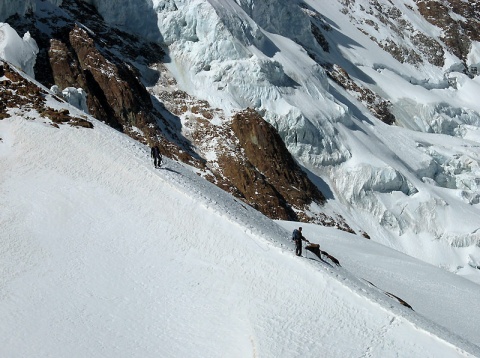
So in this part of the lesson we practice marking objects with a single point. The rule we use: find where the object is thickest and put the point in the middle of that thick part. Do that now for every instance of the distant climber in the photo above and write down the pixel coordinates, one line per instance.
(156, 155)
(298, 238)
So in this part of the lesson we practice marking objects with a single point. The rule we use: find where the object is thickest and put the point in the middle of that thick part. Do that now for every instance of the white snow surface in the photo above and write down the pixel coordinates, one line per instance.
(473, 58)
(21, 52)
(103, 255)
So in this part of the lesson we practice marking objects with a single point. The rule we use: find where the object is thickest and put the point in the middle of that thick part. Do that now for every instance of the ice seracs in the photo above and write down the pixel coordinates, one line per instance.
(77, 97)
(21, 52)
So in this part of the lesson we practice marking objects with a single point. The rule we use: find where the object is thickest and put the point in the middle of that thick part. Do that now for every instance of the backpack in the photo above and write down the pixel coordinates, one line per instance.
(296, 235)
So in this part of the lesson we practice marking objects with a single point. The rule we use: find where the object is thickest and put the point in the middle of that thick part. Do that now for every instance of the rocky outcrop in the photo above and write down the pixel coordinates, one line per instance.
(317, 25)
(379, 107)
(370, 17)
(18, 94)
(67, 72)
(273, 163)
(459, 21)
(76, 52)
(114, 93)
(246, 157)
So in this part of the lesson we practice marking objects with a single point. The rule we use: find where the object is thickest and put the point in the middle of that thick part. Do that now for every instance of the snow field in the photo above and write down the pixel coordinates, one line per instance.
(106, 256)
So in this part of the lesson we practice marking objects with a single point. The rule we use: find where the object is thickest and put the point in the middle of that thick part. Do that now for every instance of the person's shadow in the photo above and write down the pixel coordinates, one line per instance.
(170, 170)
(321, 260)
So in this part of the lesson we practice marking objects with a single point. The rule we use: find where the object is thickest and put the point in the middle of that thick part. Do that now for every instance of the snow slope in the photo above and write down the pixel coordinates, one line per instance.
(413, 186)
(103, 255)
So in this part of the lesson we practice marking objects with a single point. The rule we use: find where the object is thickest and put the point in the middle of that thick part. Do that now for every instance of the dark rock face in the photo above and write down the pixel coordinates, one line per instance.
(67, 72)
(114, 93)
(320, 38)
(72, 57)
(270, 170)
(118, 97)
(247, 158)
(457, 35)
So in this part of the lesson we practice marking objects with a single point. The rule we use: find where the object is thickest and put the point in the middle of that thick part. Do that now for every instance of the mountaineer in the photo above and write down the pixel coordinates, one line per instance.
(156, 155)
(298, 237)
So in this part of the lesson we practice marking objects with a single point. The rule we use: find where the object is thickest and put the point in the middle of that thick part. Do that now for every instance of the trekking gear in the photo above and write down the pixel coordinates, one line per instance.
(314, 248)
(296, 235)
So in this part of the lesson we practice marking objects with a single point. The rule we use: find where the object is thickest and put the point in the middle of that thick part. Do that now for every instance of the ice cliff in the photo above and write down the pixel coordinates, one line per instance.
(21, 52)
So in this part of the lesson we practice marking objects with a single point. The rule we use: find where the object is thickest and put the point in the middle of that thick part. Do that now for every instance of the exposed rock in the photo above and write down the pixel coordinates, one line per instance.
(317, 26)
(379, 107)
(67, 72)
(458, 19)
(401, 32)
(251, 186)
(246, 157)
(267, 152)
(322, 41)
(123, 100)
(457, 34)
(56, 116)
(65, 66)
(18, 94)
(365, 235)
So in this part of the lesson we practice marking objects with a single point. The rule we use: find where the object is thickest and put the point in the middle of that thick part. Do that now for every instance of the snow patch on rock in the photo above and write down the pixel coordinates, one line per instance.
(473, 57)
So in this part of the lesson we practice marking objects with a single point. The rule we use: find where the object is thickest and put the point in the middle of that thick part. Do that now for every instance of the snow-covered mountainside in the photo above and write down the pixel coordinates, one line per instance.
(376, 100)
(359, 117)
(102, 255)
(316, 71)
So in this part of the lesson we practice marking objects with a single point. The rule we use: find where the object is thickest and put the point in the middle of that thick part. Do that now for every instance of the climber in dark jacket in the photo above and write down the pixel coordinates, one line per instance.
(156, 155)
(298, 238)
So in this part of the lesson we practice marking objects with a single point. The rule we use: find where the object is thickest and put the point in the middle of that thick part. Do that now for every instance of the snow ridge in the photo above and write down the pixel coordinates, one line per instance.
(164, 250)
